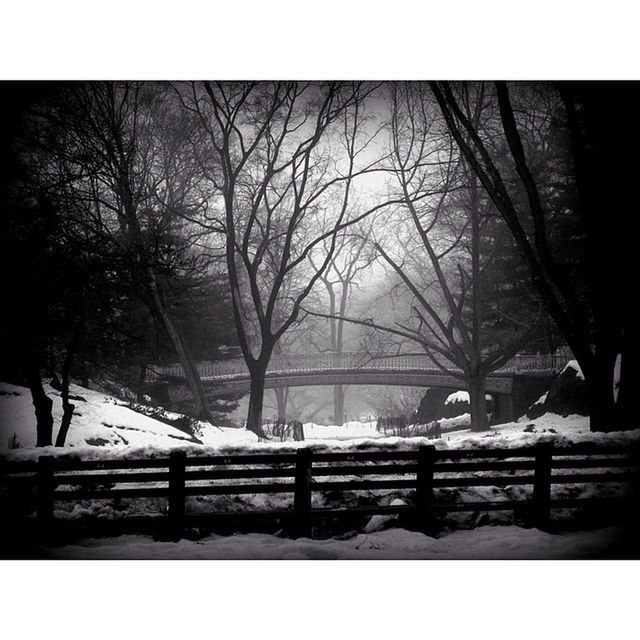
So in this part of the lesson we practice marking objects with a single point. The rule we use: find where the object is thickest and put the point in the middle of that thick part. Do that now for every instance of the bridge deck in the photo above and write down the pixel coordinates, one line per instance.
(351, 365)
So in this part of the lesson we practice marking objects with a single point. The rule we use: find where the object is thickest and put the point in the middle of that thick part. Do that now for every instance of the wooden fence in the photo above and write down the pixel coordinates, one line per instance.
(420, 473)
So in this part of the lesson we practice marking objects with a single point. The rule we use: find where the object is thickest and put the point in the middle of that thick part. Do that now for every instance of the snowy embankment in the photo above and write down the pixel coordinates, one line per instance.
(104, 426)
(500, 542)
(101, 423)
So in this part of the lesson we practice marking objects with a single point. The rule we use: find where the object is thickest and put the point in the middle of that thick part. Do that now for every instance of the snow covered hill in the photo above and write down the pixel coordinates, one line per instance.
(99, 421)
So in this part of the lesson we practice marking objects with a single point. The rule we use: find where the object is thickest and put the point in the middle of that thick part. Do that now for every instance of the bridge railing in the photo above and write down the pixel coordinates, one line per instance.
(304, 363)
(535, 363)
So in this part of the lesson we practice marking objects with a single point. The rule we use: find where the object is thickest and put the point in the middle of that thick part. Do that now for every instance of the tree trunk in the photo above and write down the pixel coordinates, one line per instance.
(191, 374)
(67, 414)
(43, 406)
(68, 407)
(478, 403)
(629, 378)
(598, 124)
(257, 371)
(142, 375)
(84, 374)
(477, 382)
(602, 408)
(339, 392)
(282, 395)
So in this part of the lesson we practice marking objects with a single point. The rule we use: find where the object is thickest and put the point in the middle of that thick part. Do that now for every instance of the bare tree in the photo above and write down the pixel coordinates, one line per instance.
(353, 254)
(592, 327)
(275, 169)
(455, 336)
(443, 265)
(120, 153)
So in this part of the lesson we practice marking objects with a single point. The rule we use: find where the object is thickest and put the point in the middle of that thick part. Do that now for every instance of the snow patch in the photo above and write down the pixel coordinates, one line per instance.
(461, 396)
(347, 431)
(380, 522)
(573, 364)
(542, 399)
(458, 396)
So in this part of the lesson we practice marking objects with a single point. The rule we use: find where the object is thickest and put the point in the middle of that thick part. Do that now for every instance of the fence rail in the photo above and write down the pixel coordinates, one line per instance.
(318, 362)
(420, 472)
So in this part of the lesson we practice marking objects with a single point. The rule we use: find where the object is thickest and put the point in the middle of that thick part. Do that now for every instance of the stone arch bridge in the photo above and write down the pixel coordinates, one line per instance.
(514, 387)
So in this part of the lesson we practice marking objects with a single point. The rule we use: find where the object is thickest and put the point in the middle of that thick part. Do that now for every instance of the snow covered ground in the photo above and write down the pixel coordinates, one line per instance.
(502, 542)
(523, 432)
(100, 421)
(104, 426)
(348, 431)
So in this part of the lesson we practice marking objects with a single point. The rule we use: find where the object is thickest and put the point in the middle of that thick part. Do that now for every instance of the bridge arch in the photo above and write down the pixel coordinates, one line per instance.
(328, 369)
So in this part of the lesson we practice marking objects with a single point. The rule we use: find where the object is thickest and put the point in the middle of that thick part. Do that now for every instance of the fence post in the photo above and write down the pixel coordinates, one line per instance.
(302, 495)
(542, 485)
(177, 466)
(424, 488)
(45, 492)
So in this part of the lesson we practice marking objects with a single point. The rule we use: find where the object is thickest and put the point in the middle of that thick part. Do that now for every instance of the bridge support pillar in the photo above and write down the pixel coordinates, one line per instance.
(503, 408)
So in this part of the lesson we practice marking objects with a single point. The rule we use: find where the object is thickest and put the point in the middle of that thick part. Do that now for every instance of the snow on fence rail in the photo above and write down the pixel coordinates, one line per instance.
(309, 363)
(419, 472)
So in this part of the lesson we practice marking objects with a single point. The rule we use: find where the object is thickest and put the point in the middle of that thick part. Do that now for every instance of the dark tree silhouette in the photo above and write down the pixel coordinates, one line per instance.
(119, 148)
(596, 327)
